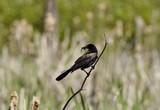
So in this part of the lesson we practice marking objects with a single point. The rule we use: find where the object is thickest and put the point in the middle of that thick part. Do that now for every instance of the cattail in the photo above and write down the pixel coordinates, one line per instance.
(13, 101)
(35, 103)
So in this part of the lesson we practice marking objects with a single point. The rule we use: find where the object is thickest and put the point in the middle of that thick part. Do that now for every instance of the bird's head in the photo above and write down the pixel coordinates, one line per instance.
(89, 48)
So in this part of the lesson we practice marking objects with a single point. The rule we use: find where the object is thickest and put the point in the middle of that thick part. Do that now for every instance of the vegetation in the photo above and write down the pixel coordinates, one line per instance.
(126, 77)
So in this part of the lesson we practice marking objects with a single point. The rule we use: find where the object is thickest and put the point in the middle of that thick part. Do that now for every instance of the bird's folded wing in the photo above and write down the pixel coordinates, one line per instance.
(86, 57)
(84, 61)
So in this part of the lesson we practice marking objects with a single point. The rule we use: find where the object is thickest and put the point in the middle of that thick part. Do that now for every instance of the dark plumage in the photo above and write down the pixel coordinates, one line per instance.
(83, 62)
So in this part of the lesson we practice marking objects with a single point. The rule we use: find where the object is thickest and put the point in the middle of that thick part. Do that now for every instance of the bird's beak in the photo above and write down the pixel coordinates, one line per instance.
(85, 49)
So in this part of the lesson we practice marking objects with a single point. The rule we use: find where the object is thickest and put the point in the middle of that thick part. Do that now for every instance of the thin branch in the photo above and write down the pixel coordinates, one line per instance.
(88, 73)
(75, 93)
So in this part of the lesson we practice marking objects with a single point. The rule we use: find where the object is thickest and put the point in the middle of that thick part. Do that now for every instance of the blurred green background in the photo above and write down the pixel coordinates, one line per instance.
(41, 38)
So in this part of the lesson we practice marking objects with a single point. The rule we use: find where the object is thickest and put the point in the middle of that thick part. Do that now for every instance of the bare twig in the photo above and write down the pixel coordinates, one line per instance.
(88, 73)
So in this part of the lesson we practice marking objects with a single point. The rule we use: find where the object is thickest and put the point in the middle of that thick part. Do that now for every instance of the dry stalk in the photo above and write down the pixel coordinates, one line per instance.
(35, 103)
(13, 101)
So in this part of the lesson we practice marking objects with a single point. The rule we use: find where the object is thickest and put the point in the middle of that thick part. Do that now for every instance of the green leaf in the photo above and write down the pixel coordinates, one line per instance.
(76, 101)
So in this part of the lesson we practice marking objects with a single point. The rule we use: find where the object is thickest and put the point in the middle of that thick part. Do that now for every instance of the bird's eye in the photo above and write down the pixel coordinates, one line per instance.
(83, 51)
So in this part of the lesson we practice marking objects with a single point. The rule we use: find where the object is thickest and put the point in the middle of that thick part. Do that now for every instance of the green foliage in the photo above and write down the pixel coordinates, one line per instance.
(84, 103)
(77, 104)
(80, 106)
(31, 10)
(94, 16)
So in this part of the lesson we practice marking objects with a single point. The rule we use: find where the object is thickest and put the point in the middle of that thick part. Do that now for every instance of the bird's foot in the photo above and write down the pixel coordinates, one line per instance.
(86, 72)
(92, 67)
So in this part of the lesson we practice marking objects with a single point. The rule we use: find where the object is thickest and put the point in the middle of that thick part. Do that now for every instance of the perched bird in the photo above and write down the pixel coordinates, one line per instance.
(83, 62)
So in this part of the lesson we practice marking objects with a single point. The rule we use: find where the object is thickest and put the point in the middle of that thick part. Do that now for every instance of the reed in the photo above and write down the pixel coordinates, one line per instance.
(13, 101)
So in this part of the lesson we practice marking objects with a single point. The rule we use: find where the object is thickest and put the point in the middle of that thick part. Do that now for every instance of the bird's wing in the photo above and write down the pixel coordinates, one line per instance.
(86, 59)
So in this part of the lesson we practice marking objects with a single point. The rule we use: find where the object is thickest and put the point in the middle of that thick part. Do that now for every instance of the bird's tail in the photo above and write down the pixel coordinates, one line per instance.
(64, 74)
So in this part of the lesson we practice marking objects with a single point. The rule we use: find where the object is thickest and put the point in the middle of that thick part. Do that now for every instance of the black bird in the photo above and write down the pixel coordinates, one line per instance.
(83, 62)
